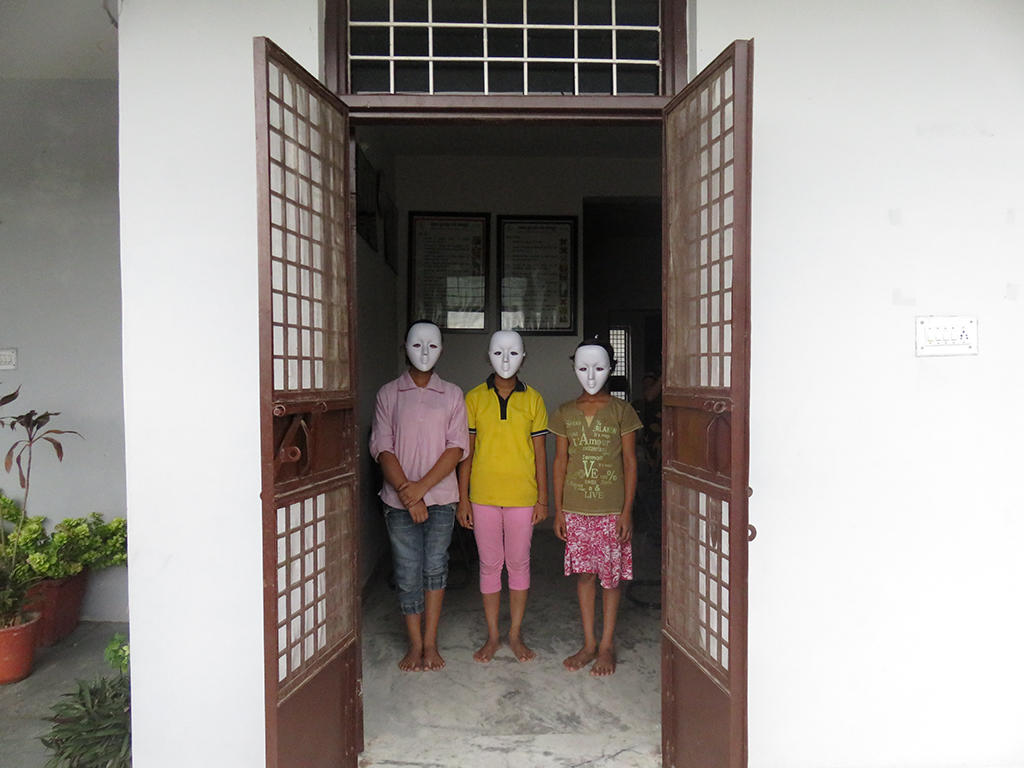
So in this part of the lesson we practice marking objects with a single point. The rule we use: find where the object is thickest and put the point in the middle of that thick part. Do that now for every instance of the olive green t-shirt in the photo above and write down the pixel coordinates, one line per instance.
(594, 482)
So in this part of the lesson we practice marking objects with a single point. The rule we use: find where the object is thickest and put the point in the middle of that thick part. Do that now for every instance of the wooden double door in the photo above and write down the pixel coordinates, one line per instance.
(308, 407)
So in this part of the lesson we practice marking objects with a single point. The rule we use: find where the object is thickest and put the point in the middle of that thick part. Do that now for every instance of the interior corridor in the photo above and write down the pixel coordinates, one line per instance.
(505, 713)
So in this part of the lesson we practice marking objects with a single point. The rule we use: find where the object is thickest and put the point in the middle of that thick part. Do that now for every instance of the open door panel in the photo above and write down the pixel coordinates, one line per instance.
(706, 284)
(307, 406)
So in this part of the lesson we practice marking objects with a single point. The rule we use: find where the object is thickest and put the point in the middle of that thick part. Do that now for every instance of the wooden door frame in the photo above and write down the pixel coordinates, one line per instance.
(343, 659)
(622, 110)
(727, 691)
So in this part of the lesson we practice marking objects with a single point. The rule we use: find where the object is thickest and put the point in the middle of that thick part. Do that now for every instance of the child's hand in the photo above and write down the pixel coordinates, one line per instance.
(560, 524)
(418, 512)
(410, 493)
(465, 514)
(540, 512)
(624, 528)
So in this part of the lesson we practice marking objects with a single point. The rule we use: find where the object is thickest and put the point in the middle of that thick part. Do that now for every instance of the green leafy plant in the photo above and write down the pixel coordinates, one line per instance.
(74, 544)
(15, 579)
(117, 653)
(16, 576)
(92, 725)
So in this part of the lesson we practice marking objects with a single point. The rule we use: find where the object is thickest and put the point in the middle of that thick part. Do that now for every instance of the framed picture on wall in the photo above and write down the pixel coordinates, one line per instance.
(387, 227)
(448, 255)
(367, 182)
(537, 273)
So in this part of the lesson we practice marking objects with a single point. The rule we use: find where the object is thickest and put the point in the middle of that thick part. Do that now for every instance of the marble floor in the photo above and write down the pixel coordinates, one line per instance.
(506, 713)
(501, 715)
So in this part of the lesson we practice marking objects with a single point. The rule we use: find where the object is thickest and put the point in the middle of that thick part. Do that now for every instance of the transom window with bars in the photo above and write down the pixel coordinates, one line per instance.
(608, 47)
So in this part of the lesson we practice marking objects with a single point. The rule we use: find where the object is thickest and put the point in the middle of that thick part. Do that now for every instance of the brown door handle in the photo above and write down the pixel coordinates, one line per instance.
(289, 455)
(751, 532)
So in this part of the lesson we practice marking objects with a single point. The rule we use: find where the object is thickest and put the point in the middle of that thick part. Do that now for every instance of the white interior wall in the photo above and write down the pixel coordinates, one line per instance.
(378, 329)
(885, 580)
(516, 186)
(60, 300)
(188, 249)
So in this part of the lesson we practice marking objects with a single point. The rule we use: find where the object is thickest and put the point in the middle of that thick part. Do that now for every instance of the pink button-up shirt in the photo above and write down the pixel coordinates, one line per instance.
(418, 424)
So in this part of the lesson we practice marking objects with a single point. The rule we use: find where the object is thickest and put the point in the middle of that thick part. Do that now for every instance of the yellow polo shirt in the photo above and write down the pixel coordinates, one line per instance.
(504, 472)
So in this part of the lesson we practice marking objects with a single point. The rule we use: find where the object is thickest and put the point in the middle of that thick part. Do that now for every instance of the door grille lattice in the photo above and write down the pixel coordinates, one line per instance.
(699, 304)
(308, 147)
(310, 357)
(704, 130)
(699, 561)
(313, 609)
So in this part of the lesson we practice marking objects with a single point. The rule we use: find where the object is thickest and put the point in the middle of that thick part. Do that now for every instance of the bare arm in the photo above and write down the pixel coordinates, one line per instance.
(391, 469)
(414, 490)
(465, 511)
(540, 458)
(558, 478)
(625, 523)
(395, 475)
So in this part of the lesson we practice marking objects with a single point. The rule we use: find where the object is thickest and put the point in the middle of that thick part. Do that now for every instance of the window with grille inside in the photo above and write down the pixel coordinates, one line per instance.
(619, 339)
(609, 47)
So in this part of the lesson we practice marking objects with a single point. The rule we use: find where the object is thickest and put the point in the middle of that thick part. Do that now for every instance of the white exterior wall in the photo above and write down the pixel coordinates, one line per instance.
(60, 300)
(188, 245)
(885, 581)
(886, 185)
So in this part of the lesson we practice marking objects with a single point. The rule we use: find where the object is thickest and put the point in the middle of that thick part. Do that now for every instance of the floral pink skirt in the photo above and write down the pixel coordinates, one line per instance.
(592, 547)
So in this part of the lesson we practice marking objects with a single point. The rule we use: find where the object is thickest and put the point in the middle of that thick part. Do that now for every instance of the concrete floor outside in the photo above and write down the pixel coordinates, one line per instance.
(503, 714)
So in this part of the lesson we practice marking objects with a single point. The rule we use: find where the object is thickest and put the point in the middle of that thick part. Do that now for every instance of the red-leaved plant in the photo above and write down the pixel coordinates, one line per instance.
(20, 453)
(15, 574)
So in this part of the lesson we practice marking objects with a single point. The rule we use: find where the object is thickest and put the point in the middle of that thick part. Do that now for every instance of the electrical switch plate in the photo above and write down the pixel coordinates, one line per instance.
(947, 335)
(8, 359)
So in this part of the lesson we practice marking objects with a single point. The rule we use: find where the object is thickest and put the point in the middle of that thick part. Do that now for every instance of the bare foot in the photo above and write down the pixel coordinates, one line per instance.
(487, 651)
(605, 664)
(580, 659)
(412, 661)
(522, 651)
(432, 659)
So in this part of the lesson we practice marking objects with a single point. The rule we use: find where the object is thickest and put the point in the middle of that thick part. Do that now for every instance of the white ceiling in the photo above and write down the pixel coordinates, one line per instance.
(56, 39)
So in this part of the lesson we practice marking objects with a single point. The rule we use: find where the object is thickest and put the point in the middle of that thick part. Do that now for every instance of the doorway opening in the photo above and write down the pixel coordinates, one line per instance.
(308, 258)
(609, 178)
(622, 301)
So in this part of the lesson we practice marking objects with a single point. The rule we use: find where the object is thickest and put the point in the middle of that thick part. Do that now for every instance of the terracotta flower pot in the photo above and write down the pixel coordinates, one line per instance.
(17, 650)
(59, 604)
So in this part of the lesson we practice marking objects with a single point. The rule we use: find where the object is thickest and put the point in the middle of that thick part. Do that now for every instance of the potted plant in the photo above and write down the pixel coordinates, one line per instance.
(17, 533)
(62, 559)
(17, 627)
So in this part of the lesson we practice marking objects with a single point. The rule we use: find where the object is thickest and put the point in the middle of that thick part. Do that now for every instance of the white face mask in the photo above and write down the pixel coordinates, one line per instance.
(506, 353)
(592, 367)
(423, 346)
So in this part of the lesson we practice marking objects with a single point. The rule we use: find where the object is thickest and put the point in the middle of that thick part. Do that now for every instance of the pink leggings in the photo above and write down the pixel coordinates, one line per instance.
(503, 538)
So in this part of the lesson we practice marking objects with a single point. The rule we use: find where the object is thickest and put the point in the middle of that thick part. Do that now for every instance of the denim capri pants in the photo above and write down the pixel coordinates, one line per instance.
(419, 552)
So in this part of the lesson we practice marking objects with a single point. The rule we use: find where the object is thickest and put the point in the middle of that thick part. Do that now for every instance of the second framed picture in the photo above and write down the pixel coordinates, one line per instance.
(537, 274)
